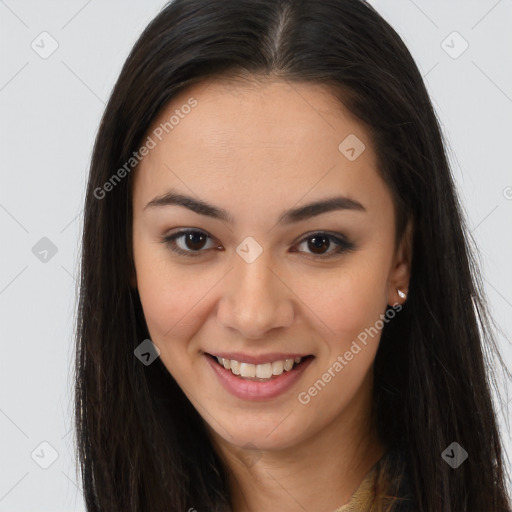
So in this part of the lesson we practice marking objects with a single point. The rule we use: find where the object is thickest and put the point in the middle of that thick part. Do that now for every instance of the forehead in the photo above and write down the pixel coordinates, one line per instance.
(244, 140)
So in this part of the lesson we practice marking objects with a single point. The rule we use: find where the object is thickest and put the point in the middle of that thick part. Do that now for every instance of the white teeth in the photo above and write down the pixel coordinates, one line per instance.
(235, 367)
(247, 370)
(260, 371)
(264, 371)
(288, 364)
(277, 367)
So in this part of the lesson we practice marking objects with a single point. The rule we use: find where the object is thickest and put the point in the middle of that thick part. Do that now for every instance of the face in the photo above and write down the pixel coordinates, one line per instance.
(242, 271)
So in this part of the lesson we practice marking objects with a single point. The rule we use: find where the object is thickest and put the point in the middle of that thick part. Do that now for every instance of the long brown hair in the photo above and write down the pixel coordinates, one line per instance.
(141, 444)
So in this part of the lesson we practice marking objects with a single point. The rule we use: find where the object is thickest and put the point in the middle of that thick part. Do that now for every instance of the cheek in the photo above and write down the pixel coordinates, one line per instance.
(347, 301)
(168, 295)
(168, 302)
(349, 313)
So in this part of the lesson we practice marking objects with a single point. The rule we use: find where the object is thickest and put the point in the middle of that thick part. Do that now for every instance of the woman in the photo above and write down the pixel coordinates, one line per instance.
(279, 309)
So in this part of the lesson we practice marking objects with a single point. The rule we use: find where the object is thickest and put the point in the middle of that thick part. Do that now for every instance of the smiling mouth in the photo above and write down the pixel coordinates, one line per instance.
(260, 372)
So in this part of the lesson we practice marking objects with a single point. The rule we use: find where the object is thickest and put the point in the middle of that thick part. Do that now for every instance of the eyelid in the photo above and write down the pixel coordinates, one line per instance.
(340, 241)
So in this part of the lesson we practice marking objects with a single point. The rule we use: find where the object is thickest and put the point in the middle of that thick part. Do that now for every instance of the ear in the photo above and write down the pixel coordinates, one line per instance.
(401, 269)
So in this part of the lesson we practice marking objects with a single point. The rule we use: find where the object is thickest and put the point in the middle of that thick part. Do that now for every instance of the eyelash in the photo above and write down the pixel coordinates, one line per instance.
(343, 244)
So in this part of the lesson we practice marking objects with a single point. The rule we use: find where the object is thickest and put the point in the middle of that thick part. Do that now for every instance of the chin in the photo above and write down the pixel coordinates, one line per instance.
(252, 432)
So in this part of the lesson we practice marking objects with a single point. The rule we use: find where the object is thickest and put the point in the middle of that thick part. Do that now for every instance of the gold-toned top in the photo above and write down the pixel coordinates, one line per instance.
(363, 498)
(385, 488)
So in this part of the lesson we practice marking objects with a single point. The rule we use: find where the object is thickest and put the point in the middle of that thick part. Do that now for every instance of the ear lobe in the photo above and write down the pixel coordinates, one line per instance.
(400, 275)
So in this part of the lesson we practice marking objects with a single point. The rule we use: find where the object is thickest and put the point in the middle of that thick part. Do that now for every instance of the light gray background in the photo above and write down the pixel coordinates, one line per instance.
(50, 111)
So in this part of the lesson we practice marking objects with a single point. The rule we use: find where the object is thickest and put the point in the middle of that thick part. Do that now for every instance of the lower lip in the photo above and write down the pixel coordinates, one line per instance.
(255, 390)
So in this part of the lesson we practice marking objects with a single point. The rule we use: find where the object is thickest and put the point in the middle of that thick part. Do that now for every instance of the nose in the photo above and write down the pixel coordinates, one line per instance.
(255, 299)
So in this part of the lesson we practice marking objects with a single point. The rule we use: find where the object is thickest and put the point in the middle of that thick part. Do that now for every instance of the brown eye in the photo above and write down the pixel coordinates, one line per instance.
(192, 242)
(318, 244)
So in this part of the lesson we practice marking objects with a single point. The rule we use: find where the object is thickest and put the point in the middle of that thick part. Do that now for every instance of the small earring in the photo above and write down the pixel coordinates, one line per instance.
(401, 294)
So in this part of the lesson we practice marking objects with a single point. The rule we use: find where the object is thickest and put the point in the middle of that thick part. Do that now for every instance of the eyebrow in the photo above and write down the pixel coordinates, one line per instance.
(307, 211)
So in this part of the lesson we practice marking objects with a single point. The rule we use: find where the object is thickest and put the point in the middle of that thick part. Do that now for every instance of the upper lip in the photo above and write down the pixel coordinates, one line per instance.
(261, 359)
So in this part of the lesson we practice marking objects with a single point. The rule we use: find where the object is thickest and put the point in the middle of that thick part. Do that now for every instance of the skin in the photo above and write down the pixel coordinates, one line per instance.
(257, 148)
